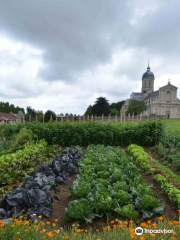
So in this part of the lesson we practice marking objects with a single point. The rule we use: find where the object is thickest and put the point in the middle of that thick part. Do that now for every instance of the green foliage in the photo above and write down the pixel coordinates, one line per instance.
(49, 115)
(89, 111)
(143, 159)
(136, 107)
(169, 149)
(33, 115)
(23, 137)
(110, 183)
(127, 211)
(101, 106)
(168, 188)
(117, 105)
(114, 112)
(67, 134)
(7, 108)
(5, 145)
(140, 156)
(15, 166)
(79, 210)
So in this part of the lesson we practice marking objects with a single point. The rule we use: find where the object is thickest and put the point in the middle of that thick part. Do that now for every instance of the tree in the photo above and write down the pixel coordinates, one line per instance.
(114, 111)
(101, 106)
(89, 111)
(8, 108)
(136, 107)
(39, 115)
(49, 115)
(117, 105)
(31, 114)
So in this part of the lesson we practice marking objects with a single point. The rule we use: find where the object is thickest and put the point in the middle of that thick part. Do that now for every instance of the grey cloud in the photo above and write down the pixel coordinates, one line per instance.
(78, 36)
(74, 35)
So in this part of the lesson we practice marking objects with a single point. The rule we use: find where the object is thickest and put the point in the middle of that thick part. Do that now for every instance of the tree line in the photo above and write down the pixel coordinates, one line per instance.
(102, 107)
(99, 108)
(6, 107)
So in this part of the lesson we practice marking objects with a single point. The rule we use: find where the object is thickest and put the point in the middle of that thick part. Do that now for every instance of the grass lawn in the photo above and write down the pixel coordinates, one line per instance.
(172, 124)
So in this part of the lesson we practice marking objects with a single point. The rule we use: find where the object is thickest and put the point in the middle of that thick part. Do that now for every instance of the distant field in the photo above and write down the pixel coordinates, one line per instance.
(172, 125)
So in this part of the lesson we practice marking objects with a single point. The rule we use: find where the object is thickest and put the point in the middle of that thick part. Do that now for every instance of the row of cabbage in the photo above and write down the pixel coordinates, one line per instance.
(169, 181)
(34, 196)
(108, 183)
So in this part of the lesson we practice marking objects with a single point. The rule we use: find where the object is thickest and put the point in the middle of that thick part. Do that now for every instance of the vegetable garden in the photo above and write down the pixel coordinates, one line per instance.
(115, 176)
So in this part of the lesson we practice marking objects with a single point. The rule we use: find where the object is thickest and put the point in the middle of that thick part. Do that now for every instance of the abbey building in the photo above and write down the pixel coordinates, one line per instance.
(160, 103)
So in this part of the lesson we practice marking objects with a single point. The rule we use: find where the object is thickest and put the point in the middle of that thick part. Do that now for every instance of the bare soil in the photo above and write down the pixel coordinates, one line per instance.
(59, 206)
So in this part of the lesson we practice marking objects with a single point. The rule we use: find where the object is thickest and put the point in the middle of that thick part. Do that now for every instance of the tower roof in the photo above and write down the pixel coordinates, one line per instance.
(148, 74)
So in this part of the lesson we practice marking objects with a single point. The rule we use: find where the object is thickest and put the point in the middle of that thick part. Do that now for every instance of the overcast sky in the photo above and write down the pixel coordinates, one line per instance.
(63, 54)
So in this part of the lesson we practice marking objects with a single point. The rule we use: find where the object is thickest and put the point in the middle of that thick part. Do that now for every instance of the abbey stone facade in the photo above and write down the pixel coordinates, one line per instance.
(160, 103)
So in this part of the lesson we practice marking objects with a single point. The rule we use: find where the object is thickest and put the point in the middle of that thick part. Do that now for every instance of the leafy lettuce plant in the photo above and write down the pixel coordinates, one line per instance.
(127, 211)
(80, 210)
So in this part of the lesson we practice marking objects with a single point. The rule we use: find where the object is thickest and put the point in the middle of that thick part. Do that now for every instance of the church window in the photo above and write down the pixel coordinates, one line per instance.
(168, 95)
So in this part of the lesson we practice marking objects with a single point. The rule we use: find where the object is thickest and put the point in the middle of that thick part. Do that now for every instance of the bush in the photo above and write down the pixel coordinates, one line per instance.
(83, 133)
(19, 140)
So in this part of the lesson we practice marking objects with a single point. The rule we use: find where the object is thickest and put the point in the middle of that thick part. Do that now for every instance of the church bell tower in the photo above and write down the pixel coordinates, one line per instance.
(148, 82)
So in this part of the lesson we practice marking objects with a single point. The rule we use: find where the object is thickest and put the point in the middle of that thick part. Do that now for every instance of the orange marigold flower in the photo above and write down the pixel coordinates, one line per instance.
(143, 224)
(66, 237)
(153, 235)
(142, 238)
(160, 218)
(26, 223)
(50, 234)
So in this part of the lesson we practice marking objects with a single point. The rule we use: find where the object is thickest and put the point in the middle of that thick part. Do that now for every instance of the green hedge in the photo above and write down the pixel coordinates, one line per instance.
(84, 133)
